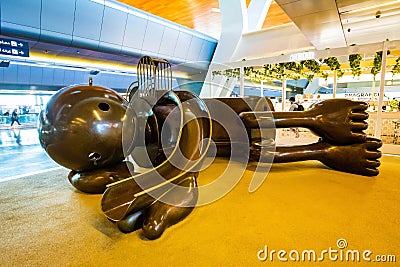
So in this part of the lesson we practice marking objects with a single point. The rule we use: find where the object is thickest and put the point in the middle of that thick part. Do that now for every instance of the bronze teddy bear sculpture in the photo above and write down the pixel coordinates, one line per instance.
(96, 133)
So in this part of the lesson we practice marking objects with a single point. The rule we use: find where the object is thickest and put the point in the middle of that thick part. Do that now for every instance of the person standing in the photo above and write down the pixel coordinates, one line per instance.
(14, 117)
(293, 104)
(293, 107)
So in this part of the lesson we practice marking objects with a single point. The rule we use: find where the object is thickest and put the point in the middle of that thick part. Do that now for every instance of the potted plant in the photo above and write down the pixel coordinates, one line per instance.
(396, 67)
(394, 105)
(355, 62)
(334, 65)
(377, 64)
(313, 66)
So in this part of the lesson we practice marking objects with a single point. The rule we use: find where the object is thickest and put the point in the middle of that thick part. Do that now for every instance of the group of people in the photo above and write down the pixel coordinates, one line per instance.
(14, 116)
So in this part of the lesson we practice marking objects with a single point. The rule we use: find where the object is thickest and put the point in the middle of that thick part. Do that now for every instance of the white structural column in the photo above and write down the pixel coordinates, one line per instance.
(262, 89)
(373, 89)
(378, 125)
(257, 12)
(334, 84)
(233, 22)
(236, 19)
(241, 81)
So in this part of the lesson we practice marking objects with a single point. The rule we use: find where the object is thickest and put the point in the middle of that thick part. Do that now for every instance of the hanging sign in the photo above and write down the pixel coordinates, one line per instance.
(302, 56)
(13, 47)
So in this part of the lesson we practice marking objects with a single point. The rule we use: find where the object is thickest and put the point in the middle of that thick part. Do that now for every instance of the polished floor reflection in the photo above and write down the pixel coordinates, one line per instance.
(21, 154)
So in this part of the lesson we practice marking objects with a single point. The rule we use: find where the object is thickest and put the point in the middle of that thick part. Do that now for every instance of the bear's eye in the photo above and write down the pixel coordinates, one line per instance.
(104, 107)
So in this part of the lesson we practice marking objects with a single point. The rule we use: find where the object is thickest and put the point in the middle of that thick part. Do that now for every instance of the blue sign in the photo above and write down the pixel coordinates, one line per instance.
(13, 47)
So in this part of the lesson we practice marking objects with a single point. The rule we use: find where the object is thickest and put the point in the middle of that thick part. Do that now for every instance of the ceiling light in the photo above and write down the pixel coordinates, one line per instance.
(216, 10)
(101, 2)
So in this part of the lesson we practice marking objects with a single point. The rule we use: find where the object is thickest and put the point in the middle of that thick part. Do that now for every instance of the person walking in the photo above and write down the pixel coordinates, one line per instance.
(14, 117)
(294, 107)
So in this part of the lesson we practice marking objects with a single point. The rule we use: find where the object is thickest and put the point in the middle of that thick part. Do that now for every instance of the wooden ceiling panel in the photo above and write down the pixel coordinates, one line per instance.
(275, 16)
(200, 15)
(182, 12)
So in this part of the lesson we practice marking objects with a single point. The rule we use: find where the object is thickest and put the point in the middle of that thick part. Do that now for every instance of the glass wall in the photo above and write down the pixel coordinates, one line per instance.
(28, 107)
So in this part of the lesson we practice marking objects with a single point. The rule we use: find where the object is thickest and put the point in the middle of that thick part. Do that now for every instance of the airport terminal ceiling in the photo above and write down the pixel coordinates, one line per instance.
(334, 22)
(201, 15)
(356, 21)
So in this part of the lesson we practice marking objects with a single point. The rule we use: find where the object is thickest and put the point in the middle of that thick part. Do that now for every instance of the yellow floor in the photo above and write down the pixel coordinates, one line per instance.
(300, 206)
